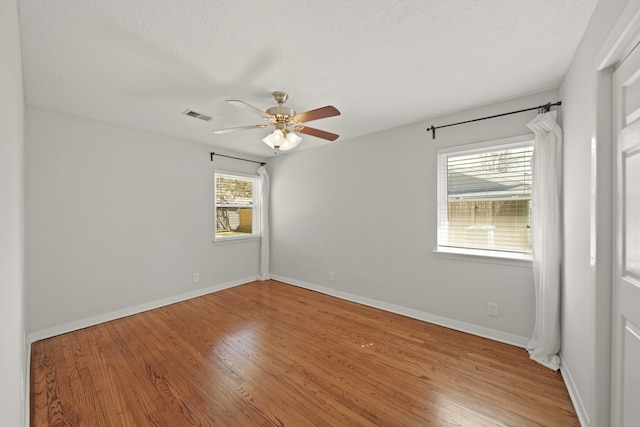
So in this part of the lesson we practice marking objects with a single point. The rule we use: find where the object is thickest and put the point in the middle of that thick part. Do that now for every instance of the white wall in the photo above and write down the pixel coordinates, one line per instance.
(366, 210)
(12, 329)
(586, 298)
(118, 218)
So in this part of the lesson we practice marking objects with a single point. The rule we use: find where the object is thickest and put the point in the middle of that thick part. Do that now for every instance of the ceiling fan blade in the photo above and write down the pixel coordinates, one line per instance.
(223, 131)
(316, 132)
(251, 108)
(318, 113)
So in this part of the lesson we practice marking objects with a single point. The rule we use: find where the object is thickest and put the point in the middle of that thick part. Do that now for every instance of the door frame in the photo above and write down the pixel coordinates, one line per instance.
(621, 40)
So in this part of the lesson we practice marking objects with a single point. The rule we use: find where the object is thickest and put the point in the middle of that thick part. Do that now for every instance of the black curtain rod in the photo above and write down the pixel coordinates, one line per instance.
(237, 158)
(541, 109)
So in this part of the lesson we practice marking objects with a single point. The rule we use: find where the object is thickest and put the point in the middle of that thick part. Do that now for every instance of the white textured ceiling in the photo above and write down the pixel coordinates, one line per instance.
(382, 63)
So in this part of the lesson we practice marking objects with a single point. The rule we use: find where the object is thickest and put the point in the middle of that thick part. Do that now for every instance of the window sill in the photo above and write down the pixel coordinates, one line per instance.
(234, 239)
(493, 257)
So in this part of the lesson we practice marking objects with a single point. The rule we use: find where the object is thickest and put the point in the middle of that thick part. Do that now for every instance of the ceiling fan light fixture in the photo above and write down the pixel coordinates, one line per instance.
(282, 139)
(291, 141)
(275, 139)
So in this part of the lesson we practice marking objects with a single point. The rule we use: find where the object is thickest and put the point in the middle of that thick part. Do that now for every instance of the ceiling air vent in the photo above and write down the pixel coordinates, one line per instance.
(196, 115)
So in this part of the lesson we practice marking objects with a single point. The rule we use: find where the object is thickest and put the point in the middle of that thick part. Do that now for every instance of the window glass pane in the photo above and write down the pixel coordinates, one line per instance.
(233, 221)
(234, 191)
(236, 206)
(488, 200)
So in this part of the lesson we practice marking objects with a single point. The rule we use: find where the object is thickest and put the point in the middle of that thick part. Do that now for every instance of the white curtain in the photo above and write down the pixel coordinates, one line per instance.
(264, 212)
(546, 243)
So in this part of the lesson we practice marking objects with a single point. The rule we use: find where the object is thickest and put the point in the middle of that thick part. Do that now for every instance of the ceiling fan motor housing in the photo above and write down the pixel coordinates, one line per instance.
(281, 114)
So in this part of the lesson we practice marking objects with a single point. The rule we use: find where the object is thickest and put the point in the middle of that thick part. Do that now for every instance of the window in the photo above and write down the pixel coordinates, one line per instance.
(484, 198)
(237, 206)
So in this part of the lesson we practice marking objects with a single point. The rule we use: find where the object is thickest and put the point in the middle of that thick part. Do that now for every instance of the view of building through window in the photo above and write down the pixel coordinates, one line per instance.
(488, 200)
(236, 202)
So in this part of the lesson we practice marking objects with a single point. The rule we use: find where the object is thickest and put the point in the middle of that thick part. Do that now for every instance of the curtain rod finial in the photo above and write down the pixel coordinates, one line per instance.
(433, 131)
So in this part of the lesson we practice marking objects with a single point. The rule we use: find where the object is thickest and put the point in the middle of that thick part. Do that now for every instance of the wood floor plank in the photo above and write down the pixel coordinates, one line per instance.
(271, 354)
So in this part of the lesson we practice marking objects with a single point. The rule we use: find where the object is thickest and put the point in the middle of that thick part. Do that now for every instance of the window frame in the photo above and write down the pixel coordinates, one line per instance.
(475, 254)
(256, 214)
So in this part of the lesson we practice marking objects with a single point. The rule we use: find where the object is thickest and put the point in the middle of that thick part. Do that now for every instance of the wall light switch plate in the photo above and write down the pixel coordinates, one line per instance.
(492, 309)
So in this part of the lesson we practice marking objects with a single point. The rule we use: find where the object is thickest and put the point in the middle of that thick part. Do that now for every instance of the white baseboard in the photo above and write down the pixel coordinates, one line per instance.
(106, 317)
(581, 412)
(480, 331)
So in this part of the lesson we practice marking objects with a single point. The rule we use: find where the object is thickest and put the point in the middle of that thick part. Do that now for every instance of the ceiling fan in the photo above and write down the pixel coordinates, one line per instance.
(285, 120)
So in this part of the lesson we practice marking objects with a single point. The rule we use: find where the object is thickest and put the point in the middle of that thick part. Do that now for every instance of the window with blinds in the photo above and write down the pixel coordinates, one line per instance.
(237, 206)
(484, 198)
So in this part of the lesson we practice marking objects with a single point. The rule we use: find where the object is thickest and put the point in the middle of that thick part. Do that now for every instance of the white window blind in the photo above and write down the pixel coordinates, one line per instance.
(237, 205)
(485, 197)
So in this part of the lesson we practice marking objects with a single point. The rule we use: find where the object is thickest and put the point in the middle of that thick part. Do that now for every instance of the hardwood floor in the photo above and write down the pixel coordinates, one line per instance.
(271, 354)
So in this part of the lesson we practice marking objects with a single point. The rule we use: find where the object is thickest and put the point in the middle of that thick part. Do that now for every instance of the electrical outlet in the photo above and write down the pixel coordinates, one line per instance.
(492, 309)
(332, 276)
(196, 277)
